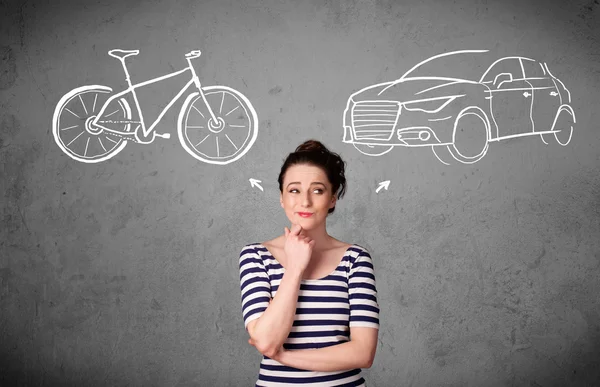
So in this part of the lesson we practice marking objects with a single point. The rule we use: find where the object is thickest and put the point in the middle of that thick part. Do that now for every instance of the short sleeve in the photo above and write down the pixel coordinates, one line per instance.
(254, 283)
(362, 292)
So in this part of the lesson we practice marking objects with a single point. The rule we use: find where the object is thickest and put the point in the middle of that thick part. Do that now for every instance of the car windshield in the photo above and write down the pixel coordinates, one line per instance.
(467, 65)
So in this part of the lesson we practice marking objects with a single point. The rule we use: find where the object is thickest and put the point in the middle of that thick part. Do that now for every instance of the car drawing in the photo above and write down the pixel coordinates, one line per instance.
(448, 103)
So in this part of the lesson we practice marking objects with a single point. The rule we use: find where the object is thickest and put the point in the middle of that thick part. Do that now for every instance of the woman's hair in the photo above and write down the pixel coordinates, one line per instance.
(312, 152)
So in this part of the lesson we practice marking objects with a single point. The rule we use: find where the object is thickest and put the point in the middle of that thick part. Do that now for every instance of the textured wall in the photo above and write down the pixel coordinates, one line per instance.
(125, 272)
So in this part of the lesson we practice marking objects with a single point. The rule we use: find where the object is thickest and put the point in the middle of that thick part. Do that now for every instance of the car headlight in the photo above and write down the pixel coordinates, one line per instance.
(430, 105)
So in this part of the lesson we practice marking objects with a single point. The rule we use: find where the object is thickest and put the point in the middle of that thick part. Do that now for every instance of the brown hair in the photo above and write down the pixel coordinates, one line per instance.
(313, 152)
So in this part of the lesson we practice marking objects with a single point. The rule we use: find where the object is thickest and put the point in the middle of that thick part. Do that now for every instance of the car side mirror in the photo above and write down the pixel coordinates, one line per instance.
(501, 78)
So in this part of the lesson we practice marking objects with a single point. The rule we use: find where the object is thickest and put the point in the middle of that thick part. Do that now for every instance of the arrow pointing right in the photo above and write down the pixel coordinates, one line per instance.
(383, 184)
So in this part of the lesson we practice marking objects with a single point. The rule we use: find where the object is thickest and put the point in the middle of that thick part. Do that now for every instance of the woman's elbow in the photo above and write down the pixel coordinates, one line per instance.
(263, 345)
(367, 361)
(267, 349)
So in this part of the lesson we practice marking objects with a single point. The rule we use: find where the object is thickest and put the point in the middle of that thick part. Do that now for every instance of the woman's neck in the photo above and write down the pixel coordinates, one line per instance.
(322, 239)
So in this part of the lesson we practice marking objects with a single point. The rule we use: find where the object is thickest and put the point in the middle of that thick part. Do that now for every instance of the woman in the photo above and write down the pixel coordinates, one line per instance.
(309, 301)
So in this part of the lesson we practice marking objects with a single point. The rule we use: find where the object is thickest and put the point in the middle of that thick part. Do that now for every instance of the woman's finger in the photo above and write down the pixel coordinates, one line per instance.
(296, 228)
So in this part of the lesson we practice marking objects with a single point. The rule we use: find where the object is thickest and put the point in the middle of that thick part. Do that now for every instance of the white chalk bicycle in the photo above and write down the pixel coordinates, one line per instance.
(216, 124)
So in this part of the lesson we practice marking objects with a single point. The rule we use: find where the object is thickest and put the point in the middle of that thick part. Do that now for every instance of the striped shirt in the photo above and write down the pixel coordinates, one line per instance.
(325, 311)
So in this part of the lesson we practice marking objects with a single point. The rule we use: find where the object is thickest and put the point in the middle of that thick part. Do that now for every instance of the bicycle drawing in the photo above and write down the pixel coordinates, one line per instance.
(216, 124)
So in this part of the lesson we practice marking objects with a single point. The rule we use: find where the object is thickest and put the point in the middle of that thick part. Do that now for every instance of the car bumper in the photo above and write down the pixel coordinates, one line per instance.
(376, 123)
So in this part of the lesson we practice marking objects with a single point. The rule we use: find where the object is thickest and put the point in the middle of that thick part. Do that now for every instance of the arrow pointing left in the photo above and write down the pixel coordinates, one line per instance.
(254, 182)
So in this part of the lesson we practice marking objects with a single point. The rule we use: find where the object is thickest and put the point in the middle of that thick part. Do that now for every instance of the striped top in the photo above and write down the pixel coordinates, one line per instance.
(326, 309)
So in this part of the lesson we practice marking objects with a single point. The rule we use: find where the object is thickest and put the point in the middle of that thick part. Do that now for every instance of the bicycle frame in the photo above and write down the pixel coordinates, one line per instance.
(132, 88)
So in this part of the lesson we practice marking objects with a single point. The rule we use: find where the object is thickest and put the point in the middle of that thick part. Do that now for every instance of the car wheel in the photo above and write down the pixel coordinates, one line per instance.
(562, 130)
(443, 155)
(470, 137)
(373, 150)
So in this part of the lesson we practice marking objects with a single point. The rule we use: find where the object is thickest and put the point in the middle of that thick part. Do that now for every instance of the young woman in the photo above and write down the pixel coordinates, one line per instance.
(309, 301)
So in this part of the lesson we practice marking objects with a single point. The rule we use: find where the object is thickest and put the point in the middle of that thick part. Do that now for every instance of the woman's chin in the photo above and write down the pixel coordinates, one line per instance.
(306, 223)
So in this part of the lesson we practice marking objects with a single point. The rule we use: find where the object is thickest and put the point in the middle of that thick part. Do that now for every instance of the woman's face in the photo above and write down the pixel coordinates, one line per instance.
(306, 195)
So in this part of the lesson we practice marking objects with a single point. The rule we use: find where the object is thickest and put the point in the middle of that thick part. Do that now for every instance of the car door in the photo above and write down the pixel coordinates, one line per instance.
(511, 98)
(546, 97)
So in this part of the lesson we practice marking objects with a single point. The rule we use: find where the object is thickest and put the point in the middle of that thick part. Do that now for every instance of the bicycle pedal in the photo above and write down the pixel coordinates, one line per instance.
(163, 135)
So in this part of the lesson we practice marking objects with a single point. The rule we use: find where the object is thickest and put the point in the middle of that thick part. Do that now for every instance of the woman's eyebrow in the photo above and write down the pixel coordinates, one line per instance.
(313, 183)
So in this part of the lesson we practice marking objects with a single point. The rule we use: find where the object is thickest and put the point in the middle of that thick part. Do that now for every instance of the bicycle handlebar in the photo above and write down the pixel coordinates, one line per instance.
(193, 54)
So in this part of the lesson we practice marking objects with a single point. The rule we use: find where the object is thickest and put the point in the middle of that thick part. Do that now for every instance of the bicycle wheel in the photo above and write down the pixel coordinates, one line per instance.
(220, 142)
(72, 124)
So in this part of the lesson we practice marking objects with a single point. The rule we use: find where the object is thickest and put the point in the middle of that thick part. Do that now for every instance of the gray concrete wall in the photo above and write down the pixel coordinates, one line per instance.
(124, 272)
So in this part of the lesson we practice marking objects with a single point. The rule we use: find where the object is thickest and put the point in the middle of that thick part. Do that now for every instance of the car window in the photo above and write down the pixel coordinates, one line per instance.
(533, 69)
(508, 65)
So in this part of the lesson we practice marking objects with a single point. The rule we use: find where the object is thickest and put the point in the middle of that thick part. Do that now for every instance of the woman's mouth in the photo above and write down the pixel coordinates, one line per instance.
(305, 214)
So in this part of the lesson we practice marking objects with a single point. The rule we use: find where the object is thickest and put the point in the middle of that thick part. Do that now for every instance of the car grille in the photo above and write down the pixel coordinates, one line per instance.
(374, 120)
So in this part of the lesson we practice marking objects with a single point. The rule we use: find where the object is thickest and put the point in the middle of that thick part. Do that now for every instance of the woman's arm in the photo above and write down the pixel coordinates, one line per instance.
(269, 331)
(359, 352)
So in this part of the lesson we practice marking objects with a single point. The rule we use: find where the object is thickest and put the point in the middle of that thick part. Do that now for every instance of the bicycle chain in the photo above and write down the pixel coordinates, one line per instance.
(126, 138)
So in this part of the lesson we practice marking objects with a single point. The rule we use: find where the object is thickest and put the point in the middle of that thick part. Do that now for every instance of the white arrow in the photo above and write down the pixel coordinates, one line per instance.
(383, 184)
(254, 182)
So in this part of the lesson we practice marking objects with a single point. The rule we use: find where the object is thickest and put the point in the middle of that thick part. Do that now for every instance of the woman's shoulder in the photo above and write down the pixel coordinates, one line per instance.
(252, 248)
(349, 246)
(359, 250)
(276, 243)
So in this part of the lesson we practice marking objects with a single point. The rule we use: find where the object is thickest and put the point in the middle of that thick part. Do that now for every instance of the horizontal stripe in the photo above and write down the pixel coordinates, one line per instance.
(318, 322)
(314, 379)
(256, 301)
(322, 311)
(365, 307)
(364, 319)
(253, 311)
(299, 334)
(253, 280)
(323, 298)
(254, 291)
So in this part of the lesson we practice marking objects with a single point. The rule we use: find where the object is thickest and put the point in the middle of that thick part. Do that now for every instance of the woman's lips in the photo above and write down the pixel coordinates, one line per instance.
(305, 214)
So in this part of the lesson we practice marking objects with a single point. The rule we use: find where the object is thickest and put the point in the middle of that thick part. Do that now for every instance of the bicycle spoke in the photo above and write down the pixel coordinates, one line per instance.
(222, 100)
(198, 111)
(70, 127)
(236, 148)
(237, 126)
(195, 127)
(75, 138)
(72, 113)
(111, 140)
(202, 140)
(82, 104)
(108, 115)
(217, 138)
(86, 147)
(232, 110)
(101, 144)
(94, 106)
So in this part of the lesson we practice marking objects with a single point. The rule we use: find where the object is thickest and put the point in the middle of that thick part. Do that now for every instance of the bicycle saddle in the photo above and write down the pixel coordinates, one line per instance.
(122, 53)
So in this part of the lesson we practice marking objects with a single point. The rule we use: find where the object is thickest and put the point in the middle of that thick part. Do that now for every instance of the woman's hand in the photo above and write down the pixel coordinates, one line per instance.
(298, 249)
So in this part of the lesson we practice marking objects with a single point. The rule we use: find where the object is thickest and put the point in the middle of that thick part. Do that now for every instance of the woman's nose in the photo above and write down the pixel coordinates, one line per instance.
(306, 200)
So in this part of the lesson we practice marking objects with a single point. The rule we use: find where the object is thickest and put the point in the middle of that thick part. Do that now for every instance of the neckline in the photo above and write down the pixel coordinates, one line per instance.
(311, 279)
